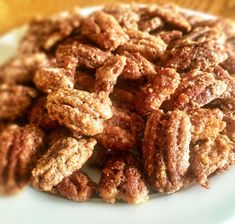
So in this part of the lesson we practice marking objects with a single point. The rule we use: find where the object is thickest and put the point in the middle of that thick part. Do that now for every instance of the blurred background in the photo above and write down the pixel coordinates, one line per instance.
(17, 12)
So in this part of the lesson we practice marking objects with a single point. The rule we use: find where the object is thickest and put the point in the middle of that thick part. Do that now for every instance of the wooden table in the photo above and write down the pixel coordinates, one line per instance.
(17, 12)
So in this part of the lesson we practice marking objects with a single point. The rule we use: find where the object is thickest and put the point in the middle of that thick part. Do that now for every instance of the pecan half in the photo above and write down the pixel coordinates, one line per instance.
(149, 46)
(196, 89)
(166, 150)
(206, 123)
(104, 30)
(150, 25)
(80, 111)
(77, 187)
(122, 131)
(21, 69)
(208, 157)
(15, 100)
(60, 161)
(169, 36)
(51, 79)
(20, 148)
(121, 179)
(73, 53)
(153, 94)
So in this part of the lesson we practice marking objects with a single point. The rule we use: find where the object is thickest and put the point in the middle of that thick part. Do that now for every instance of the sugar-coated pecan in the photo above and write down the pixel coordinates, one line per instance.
(15, 100)
(51, 79)
(206, 123)
(80, 111)
(122, 179)
(73, 53)
(20, 70)
(210, 156)
(77, 187)
(124, 14)
(63, 158)
(200, 49)
(122, 131)
(20, 148)
(169, 36)
(170, 14)
(45, 33)
(104, 30)
(137, 66)
(196, 89)
(39, 115)
(149, 46)
(154, 93)
(107, 75)
(165, 150)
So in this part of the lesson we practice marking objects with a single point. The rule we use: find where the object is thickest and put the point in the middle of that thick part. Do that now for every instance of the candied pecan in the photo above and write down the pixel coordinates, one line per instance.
(122, 179)
(149, 46)
(196, 89)
(77, 187)
(20, 147)
(170, 14)
(84, 81)
(15, 100)
(99, 156)
(206, 123)
(124, 14)
(20, 70)
(200, 49)
(39, 115)
(80, 111)
(49, 79)
(73, 54)
(153, 94)
(210, 156)
(166, 150)
(107, 75)
(122, 131)
(60, 161)
(137, 66)
(150, 25)
(104, 30)
(169, 36)
(45, 33)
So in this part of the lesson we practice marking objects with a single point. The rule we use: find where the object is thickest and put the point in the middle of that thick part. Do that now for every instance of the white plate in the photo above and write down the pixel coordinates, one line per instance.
(194, 205)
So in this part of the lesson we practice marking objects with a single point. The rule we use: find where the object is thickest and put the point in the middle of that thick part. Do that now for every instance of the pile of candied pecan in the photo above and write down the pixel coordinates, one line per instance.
(144, 93)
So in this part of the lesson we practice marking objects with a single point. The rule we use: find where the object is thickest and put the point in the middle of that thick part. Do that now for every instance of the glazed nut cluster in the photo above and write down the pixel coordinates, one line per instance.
(145, 94)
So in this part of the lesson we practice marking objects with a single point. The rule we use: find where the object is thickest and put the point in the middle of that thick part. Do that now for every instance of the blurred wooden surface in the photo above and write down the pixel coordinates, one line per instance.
(17, 12)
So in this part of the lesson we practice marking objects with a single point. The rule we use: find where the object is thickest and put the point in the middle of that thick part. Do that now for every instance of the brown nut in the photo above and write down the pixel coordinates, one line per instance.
(80, 111)
(122, 131)
(60, 161)
(104, 30)
(15, 100)
(165, 150)
(149, 46)
(153, 94)
(20, 148)
(76, 187)
(73, 53)
(210, 156)
(122, 179)
(107, 75)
